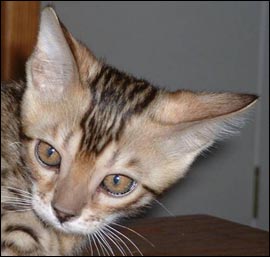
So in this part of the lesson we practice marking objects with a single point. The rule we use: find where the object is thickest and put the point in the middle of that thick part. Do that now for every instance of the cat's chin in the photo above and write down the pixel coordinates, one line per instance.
(68, 228)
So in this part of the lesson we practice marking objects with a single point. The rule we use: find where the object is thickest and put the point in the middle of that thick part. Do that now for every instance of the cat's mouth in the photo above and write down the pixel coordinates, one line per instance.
(75, 225)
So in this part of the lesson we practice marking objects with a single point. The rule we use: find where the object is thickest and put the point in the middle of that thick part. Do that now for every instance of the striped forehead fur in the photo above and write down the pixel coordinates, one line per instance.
(116, 96)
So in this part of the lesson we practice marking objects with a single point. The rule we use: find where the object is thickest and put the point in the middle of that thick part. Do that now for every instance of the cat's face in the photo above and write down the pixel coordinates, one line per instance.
(102, 144)
(95, 187)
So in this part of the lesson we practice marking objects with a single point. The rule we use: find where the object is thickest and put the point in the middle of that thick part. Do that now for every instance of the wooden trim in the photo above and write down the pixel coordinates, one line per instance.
(19, 26)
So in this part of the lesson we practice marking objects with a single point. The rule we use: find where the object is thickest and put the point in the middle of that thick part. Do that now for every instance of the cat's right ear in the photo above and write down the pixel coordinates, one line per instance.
(51, 69)
(198, 119)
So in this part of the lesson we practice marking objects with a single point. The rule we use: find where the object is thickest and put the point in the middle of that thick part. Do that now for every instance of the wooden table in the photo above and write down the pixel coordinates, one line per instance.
(190, 235)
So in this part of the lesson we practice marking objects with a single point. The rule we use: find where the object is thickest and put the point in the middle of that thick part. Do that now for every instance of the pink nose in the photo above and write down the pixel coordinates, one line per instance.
(62, 216)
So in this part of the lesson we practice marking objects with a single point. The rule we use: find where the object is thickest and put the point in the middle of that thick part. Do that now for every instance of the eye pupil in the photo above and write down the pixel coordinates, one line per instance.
(50, 151)
(116, 180)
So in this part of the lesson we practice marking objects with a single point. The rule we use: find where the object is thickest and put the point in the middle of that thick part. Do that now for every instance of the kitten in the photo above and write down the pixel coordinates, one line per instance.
(84, 144)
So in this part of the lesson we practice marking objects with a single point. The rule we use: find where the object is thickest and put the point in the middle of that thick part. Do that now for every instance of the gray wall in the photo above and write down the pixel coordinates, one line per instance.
(262, 130)
(214, 46)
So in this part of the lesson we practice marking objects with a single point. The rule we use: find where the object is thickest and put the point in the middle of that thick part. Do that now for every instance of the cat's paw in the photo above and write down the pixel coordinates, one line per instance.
(18, 241)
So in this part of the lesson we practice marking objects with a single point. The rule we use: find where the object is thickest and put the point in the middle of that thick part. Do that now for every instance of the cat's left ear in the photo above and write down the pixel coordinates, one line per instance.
(52, 68)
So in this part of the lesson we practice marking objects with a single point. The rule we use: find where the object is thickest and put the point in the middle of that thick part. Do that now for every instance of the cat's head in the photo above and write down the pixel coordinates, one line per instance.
(102, 144)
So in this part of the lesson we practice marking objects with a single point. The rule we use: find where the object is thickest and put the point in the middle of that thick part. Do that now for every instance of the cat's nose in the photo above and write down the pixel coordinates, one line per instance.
(62, 215)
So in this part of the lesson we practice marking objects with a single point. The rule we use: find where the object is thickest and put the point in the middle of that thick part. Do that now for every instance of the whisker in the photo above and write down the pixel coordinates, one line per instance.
(17, 189)
(122, 241)
(22, 210)
(103, 243)
(164, 207)
(103, 248)
(95, 244)
(15, 198)
(111, 238)
(18, 195)
(121, 234)
(103, 235)
(135, 232)
(99, 243)
(14, 201)
(21, 198)
(17, 203)
(90, 242)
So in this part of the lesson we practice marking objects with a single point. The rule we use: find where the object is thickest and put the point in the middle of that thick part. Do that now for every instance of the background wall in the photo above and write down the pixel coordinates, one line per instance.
(214, 46)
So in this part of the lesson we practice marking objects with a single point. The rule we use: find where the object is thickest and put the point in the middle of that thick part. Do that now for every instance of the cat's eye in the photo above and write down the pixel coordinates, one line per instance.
(48, 155)
(118, 185)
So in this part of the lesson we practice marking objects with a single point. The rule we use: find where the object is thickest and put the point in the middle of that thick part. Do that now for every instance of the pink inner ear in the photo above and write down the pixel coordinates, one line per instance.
(187, 106)
(52, 67)
(48, 75)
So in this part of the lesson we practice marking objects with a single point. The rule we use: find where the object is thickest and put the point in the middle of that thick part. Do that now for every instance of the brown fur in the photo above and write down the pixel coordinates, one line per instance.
(102, 122)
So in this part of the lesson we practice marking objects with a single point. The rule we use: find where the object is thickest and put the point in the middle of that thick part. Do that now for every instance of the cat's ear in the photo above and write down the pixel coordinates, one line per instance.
(197, 119)
(87, 63)
(52, 68)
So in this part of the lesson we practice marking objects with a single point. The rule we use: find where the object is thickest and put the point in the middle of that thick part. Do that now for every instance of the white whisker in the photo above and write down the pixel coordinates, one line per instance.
(103, 235)
(111, 238)
(17, 203)
(164, 207)
(121, 234)
(103, 242)
(16, 198)
(99, 243)
(17, 189)
(95, 244)
(25, 197)
(103, 248)
(22, 210)
(136, 233)
(121, 241)
(90, 242)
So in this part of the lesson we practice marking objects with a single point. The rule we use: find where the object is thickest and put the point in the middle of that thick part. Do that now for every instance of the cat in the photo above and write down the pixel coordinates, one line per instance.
(84, 144)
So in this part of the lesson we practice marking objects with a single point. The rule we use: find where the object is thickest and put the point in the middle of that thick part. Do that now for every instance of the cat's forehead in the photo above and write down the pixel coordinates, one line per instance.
(116, 97)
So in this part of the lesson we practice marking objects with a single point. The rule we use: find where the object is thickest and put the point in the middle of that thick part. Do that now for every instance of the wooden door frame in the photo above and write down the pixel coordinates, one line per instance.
(19, 26)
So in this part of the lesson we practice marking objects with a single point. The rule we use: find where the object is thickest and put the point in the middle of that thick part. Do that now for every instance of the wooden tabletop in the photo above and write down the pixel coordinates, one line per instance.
(186, 235)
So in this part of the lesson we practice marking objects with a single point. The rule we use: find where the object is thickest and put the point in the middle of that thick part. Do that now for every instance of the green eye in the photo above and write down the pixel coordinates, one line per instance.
(118, 185)
(48, 155)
